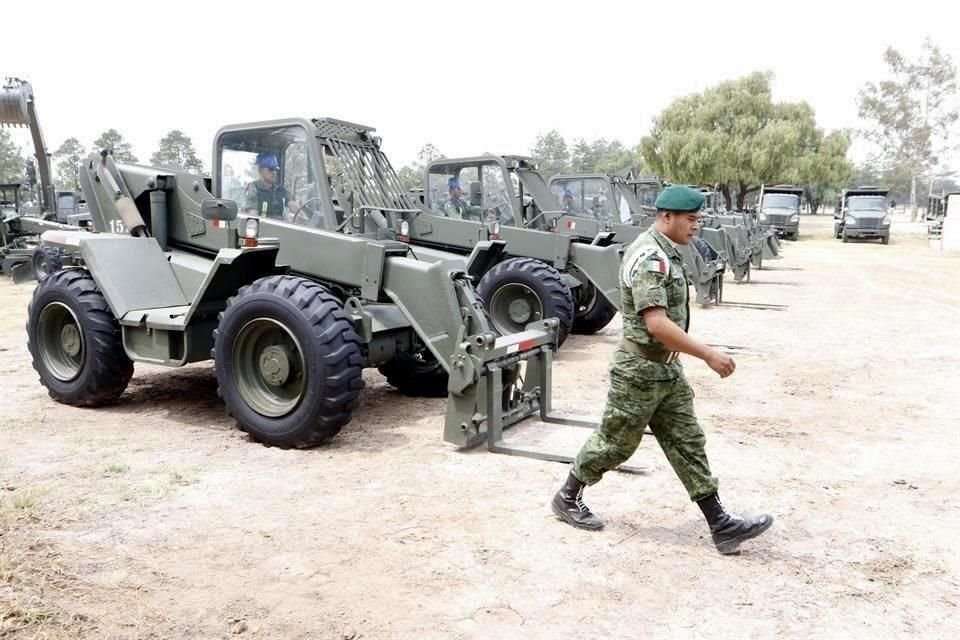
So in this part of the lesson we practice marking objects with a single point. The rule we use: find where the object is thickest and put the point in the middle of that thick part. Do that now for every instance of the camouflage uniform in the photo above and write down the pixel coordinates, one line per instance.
(455, 208)
(267, 201)
(644, 391)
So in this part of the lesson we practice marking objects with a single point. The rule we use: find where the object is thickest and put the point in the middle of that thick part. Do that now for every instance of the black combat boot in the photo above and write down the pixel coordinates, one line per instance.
(568, 506)
(729, 530)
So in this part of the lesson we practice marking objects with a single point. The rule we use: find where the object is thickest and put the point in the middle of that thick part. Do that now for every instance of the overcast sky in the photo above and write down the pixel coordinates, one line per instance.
(467, 77)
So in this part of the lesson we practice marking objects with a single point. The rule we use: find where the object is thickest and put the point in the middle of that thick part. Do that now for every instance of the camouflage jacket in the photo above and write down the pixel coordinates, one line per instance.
(268, 202)
(651, 275)
(455, 208)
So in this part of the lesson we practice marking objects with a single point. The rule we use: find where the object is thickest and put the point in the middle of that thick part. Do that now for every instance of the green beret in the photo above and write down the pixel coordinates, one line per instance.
(680, 198)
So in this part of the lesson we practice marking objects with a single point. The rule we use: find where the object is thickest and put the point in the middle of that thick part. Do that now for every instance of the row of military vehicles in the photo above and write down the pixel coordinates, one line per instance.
(351, 272)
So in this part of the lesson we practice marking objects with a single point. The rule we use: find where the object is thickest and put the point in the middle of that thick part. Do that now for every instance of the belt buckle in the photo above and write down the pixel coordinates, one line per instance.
(673, 357)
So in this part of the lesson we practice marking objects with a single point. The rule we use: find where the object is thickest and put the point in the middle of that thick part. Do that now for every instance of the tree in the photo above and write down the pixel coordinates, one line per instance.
(11, 160)
(582, 159)
(71, 153)
(411, 176)
(176, 152)
(734, 135)
(551, 153)
(910, 115)
(825, 168)
(111, 139)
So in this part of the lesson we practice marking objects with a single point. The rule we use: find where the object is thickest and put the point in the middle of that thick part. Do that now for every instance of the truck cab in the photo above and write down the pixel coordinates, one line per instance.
(862, 213)
(778, 209)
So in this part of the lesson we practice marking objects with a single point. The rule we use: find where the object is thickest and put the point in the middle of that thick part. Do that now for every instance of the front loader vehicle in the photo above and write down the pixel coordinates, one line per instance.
(608, 202)
(544, 258)
(20, 228)
(175, 275)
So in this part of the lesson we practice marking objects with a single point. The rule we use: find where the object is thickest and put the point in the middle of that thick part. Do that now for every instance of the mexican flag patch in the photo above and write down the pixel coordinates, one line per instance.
(656, 265)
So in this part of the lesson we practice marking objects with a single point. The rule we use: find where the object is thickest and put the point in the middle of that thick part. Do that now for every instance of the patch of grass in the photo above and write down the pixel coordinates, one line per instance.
(116, 469)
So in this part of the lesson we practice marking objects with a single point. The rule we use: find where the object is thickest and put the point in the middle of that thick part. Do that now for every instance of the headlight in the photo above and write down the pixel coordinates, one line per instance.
(886, 221)
(251, 228)
(795, 217)
(405, 228)
(763, 217)
(851, 221)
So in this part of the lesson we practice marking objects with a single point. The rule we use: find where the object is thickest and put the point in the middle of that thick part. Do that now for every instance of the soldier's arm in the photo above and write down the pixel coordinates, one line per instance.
(676, 339)
(648, 277)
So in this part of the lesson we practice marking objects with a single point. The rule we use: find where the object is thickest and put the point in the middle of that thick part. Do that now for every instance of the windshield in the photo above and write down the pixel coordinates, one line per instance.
(867, 203)
(780, 201)
(449, 191)
(585, 198)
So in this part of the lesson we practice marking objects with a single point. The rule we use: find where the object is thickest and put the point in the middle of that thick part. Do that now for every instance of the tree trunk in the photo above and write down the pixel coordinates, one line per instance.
(727, 199)
(913, 198)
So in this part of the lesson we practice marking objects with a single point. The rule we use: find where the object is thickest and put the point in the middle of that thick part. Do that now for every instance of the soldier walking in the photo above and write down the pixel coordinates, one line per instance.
(647, 385)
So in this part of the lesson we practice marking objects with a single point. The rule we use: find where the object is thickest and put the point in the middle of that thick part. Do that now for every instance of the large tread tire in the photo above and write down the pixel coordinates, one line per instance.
(331, 352)
(104, 370)
(417, 377)
(542, 279)
(44, 261)
(595, 315)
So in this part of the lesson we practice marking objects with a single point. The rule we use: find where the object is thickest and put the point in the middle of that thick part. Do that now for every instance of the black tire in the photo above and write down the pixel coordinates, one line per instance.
(320, 348)
(843, 237)
(532, 276)
(885, 240)
(44, 261)
(418, 375)
(100, 370)
(593, 312)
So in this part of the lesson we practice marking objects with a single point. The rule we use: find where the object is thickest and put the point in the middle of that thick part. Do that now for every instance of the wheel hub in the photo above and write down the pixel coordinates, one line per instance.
(520, 311)
(275, 365)
(70, 339)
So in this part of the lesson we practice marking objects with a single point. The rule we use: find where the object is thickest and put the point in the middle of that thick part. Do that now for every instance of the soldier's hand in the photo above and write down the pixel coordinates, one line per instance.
(721, 363)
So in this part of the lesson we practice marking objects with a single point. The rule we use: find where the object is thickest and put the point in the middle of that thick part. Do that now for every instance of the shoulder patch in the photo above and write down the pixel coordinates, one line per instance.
(651, 259)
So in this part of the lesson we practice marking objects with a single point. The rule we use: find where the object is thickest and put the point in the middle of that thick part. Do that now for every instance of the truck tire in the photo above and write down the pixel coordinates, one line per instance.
(288, 361)
(885, 240)
(75, 341)
(594, 311)
(44, 261)
(843, 237)
(519, 291)
(416, 374)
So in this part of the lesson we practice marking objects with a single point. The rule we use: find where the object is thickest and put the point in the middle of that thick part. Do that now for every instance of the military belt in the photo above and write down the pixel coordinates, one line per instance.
(649, 352)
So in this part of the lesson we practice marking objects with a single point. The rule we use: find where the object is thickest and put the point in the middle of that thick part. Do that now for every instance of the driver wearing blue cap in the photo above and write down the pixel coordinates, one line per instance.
(266, 197)
(456, 206)
(569, 204)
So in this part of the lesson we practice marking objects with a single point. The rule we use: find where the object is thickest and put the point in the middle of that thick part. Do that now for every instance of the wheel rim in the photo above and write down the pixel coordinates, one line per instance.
(60, 341)
(42, 267)
(587, 299)
(514, 306)
(269, 367)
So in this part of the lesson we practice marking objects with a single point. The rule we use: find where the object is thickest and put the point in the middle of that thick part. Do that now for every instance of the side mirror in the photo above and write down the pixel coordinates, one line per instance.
(476, 194)
(218, 209)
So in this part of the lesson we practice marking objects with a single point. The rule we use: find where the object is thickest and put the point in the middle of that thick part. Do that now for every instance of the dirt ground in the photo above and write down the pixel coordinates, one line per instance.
(157, 518)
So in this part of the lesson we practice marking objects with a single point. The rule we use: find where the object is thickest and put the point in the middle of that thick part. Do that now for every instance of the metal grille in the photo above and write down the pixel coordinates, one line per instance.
(375, 183)
(867, 223)
(773, 218)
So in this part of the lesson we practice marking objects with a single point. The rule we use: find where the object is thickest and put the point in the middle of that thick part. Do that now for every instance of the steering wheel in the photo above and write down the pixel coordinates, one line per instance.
(312, 218)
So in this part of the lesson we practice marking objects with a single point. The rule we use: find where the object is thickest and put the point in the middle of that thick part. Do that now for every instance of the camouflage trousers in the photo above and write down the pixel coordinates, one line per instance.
(635, 401)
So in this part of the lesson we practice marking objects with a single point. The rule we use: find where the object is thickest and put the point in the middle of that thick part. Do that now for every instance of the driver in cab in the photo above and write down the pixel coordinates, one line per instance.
(266, 197)
(455, 206)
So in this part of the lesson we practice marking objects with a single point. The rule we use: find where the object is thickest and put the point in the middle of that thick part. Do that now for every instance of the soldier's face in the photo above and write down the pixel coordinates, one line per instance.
(268, 175)
(681, 227)
(455, 192)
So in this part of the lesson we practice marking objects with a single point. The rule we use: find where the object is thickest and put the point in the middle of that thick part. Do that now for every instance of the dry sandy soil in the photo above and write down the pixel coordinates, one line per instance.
(156, 518)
